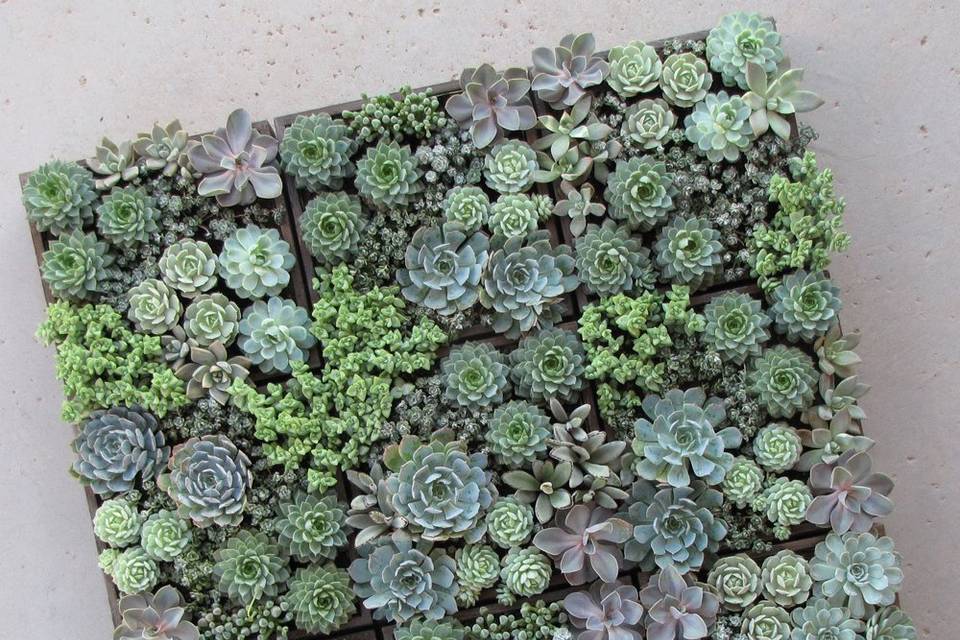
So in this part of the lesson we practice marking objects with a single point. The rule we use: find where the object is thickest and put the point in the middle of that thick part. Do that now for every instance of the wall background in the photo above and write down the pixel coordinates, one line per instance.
(76, 70)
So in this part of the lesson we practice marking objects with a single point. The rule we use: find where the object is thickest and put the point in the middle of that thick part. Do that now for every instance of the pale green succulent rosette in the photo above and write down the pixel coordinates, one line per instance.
(58, 197)
(330, 226)
(510, 523)
(786, 578)
(610, 261)
(688, 251)
(634, 68)
(890, 623)
(320, 598)
(785, 504)
(134, 571)
(736, 326)
(154, 307)
(475, 375)
(212, 318)
(648, 122)
(255, 262)
(784, 380)
(189, 266)
(640, 191)
(777, 447)
(275, 333)
(736, 579)
(719, 127)
(249, 567)
(388, 175)
(469, 206)
(164, 535)
(126, 217)
(743, 37)
(513, 215)
(429, 630)
(510, 167)
(117, 522)
(517, 433)
(820, 620)
(316, 151)
(548, 364)
(526, 572)
(805, 306)
(858, 571)
(685, 79)
(312, 528)
(743, 482)
(478, 568)
(766, 620)
(75, 265)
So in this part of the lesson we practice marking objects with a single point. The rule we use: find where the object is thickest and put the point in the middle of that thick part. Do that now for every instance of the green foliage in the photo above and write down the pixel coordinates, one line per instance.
(127, 217)
(475, 375)
(74, 266)
(330, 226)
(536, 621)
(189, 266)
(58, 197)
(784, 380)
(610, 261)
(276, 333)
(640, 191)
(388, 175)
(517, 433)
(805, 306)
(154, 307)
(548, 364)
(316, 150)
(685, 79)
(688, 251)
(414, 114)
(320, 598)
(249, 566)
(312, 528)
(513, 214)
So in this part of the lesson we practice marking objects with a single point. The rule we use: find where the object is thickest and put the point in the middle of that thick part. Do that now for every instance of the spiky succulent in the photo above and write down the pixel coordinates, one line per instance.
(889, 623)
(719, 127)
(685, 79)
(767, 621)
(682, 437)
(578, 205)
(736, 326)
(525, 278)
(189, 266)
(330, 226)
(510, 167)
(640, 191)
(526, 572)
(677, 608)
(117, 447)
(578, 144)
(478, 568)
(58, 197)
(154, 307)
(742, 38)
(399, 579)
(388, 175)
(783, 379)
(634, 68)
(585, 543)
(517, 433)
(442, 267)
(208, 481)
(316, 151)
(545, 487)
(133, 571)
(509, 523)
(743, 481)
(648, 122)
(610, 261)
(75, 265)
(785, 503)
(312, 528)
(163, 149)
(805, 306)
(126, 217)
(492, 101)
(320, 598)
(211, 372)
(736, 580)
(775, 97)
(848, 495)
(777, 447)
(114, 162)
(256, 262)
(606, 612)
(820, 620)
(561, 76)
(689, 251)
(475, 375)
(467, 205)
(275, 333)
(117, 522)
(212, 318)
(165, 535)
(548, 364)
(155, 616)
(248, 567)
(785, 577)
(429, 630)
(856, 570)
(513, 215)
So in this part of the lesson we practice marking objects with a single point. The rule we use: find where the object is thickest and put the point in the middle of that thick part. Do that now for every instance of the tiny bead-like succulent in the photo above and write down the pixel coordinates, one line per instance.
(255, 262)
(492, 101)
(648, 122)
(320, 598)
(719, 127)
(475, 375)
(548, 364)
(743, 482)
(786, 502)
(685, 79)
(388, 175)
(517, 433)
(766, 621)
(126, 217)
(743, 37)
(609, 260)
(509, 523)
(562, 75)
(154, 307)
(634, 68)
(849, 496)
(688, 251)
(312, 528)
(74, 265)
(510, 167)
(155, 616)
(330, 226)
(513, 214)
(58, 197)
(478, 568)
(640, 191)
(606, 612)
(212, 318)
(678, 608)
(805, 306)
(784, 380)
(856, 570)
(210, 372)
(819, 620)
(526, 572)
(248, 567)
(777, 447)
(736, 579)
(316, 151)
(117, 522)
(133, 571)
(889, 623)
(275, 333)
(467, 205)
(165, 535)
(163, 149)
(736, 326)
(786, 578)
(189, 266)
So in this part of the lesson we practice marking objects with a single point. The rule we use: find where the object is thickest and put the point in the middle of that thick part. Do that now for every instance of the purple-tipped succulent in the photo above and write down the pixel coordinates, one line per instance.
(606, 612)
(562, 75)
(586, 543)
(848, 495)
(492, 101)
(235, 162)
(678, 608)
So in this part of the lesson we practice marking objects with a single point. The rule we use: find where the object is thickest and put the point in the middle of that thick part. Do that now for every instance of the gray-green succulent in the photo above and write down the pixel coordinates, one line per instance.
(634, 68)
(784, 380)
(256, 262)
(312, 528)
(126, 217)
(611, 261)
(739, 39)
(133, 571)
(743, 481)
(785, 503)
(117, 522)
(467, 205)
(165, 535)
(835, 352)
(890, 623)
(772, 98)
(805, 306)
(58, 197)
(736, 326)
(330, 226)
(578, 205)
(113, 162)
(275, 333)
(74, 266)
(777, 447)
(640, 191)
(719, 127)
(648, 123)
(688, 251)
(155, 616)
(164, 149)
(510, 167)
(526, 572)
(736, 580)
(561, 76)
(819, 620)
(154, 307)
(509, 523)
(212, 318)
(320, 598)
(211, 372)
(248, 567)
(786, 578)
(478, 568)
(578, 146)
(316, 151)
(475, 375)
(388, 175)
(544, 486)
(548, 364)
(517, 433)
(513, 214)
(189, 266)
(766, 620)
(685, 79)
(857, 570)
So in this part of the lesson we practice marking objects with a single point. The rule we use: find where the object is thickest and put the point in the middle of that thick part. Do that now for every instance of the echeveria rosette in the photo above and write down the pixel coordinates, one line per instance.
(492, 101)
(510, 167)
(443, 266)
(330, 226)
(133, 571)
(478, 568)
(467, 205)
(785, 578)
(774, 97)
(117, 522)
(155, 616)
(856, 570)
(526, 572)
(509, 523)
(678, 608)
(743, 481)
(785, 504)
(685, 79)
(736, 580)
(648, 122)
(609, 260)
(828, 442)
(255, 262)
(165, 535)
(475, 375)
(312, 528)
(784, 380)
(719, 127)
(154, 307)
(163, 149)
(189, 266)
(848, 494)
(777, 447)
(561, 76)
(275, 333)
(316, 151)
(545, 486)
(126, 217)
(211, 372)
(429, 630)
(634, 68)
(75, 265)
(819, 620)
(743, 37)
(585, 543)
(640, 192)
(114, 162)
(805, 306)
(889, 623)
(767, 621)
(606, 612)
(212, 318)
(320, 598)
(835, 352)
(576, 147)
(517, 433)
(58, 197)
(513, 215)
(248, 567)
(683, 438)
(399, 579)
(548, 364)
(736, 326)
(117, 447)
(689, 252)
(388, 175)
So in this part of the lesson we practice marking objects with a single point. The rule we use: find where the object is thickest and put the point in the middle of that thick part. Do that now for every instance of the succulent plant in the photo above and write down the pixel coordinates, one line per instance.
(492, 101)
(785, 503)
(478, 568)
(163, 149)
(399, 580)
(189, 266)
(211, 372)
(648, 122)
(677, 608)
(164, 535)
(819, 620)
(595, 462)
(785, 577)
(838, 397)
(154, 307)
(525, 279)
(126, 217)
(545, 487)
(117, 522)
(236, 162)
(255, 262)
(835, 352)
(176, 347)
(517, 433)
(371, 510)
(640, 191)
(683, 434)
(510, 167)
(155, 616)
(275, 333)
(513, 214)
(208, 481)
(783, 380)
(116, 447)
(212, 318)
(429, 630)
(889, 623)
(320, 598)
(685, 79)
(405, 113)
(74, 265)
(585, 543)
(562, 76)
(134, 571)
(805, 306)
(115, 162)
(442, 267)
(312, 528)
(58, 197)
(826, 443)
(475, 375)
(468, 206)
(856, 570)
(609, 260)
(719, 127)
(688, 251)
(848, 495)
(578, 205)
(248, 567)
(736, 580)
(509, 523)
(767, 621)
(578, 146)
(736, 326)
(634, 68)
(316, 151)
(388, 175)
(739, 39)
(606, 612)
(548, 364)
(777, 447)
(775, 97)
(330, 226)
(743, 482)
(526, 572)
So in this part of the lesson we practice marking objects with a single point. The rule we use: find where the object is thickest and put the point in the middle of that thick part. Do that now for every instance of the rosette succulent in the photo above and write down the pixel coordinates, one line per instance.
(442, 267)
(330, 226)
(773, 98)
(517, 433)
(388, 175)
(777, 447)
(255, 262)
(742, 38)
(526, 572)
(176, 347)
(312, 528)
(578, 205)
(634, 68)
(743, 482)
(805, 306)
(165, 535)
(609, 260)
(399, 579)
(115, 162)
(849, 496)
(548, 364)
(783, 379)
(275, 333)
(786, 578)
(586, 543)
(429, 630)
(134, 571)
(819, 620)
(640, 191)
(58, 197)
(478, 568)
(75, 265)
(648, 122)
(578, 146)
(685, 79)
(492, 101)
(688, 251)
(835, 352)
(513, 215)
(163, 149)
(766, 621)
(189, 266)
(320, 598)
(678, 608)
(118, 446)
(468, 206)
(562, 76)
(544, 487)
(248, 567)
(208, 481)
(682, 437)
(316, 151)
(856, 570)
(785, 503)
(212, 318)
(826, 443)
(117, 522)
(510, 167)
(154, 307)
(155, 616)
(595, 461)
(736, 579)
(889, 623)
(211, 372)
(719, 127)
(606, 612)
(736, 326)
(509, 523)
(126, 217)
(475, 375)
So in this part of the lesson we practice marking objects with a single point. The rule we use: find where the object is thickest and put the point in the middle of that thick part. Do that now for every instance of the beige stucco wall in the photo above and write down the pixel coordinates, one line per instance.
(73, 71)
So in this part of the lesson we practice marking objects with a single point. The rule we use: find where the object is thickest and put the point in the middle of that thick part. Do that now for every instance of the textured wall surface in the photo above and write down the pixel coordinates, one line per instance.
(890, 71)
